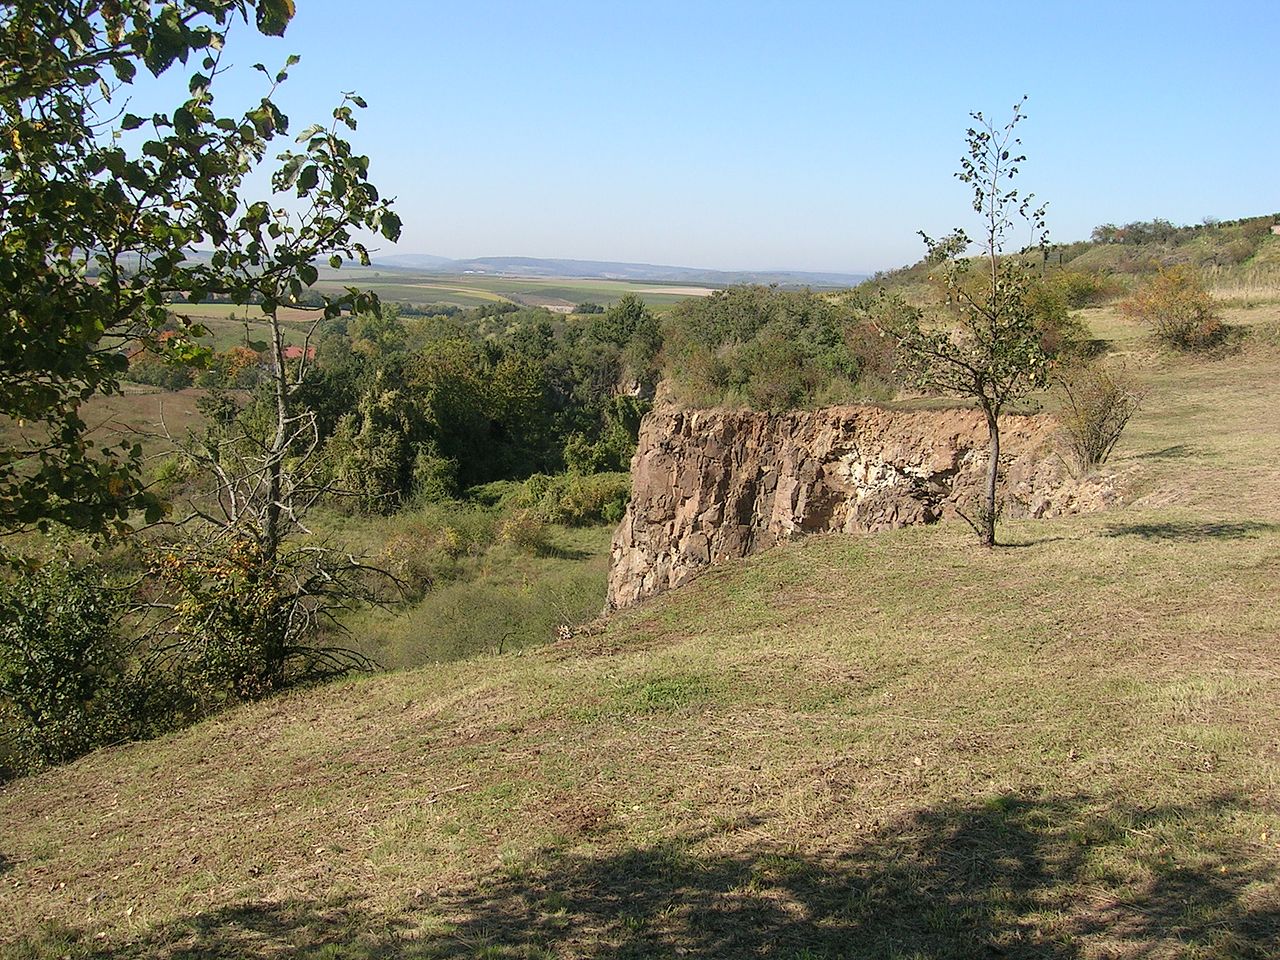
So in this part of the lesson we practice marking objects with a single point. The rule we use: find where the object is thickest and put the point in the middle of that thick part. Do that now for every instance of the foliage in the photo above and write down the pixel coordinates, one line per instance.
(769, 348)
(236, 622)
(1083, 288)
(96, 227)
(615, 442)
(238, 368)
(988, 346)
(155, 372)
(67, 683)
(524, 530)
(101, 207)
(1097, 402)
(440, 404)
(1178, 308)
(575, 500)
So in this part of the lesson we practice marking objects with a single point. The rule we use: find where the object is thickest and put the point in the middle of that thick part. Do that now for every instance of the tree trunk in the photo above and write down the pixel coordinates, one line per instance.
(987, 529)
(271, 533)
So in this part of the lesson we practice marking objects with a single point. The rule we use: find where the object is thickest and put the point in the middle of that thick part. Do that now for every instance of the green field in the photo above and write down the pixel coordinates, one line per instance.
(477, 290)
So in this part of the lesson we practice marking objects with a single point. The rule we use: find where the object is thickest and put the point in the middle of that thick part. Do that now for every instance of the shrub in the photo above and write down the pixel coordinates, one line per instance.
(1177, 307)
(155, 372)
(1097, 402)
(524, 530)
(574, 500)
(1084, 288)
(434, 477)
(65, 675)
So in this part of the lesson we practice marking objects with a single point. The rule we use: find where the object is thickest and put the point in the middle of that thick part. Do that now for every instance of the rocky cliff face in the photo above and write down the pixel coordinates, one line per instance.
(714, 485)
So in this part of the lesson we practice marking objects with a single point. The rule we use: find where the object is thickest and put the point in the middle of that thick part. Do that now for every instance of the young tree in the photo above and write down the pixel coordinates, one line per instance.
(986, 347)
(101, 212)
(100, 209)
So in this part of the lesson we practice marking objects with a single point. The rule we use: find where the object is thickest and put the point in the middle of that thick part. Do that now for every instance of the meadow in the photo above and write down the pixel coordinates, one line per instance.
(892, 745)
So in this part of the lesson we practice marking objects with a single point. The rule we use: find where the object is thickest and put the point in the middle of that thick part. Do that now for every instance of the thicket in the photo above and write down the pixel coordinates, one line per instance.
(69, 680)
(423, 409)
(1178, 309)
(775, 349)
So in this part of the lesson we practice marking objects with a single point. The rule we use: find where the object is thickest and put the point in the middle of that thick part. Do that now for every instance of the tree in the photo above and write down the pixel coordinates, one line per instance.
(101, 209)
(987, 347)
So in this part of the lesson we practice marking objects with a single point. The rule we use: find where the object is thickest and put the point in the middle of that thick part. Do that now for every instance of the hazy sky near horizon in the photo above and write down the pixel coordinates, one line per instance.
(799, 135)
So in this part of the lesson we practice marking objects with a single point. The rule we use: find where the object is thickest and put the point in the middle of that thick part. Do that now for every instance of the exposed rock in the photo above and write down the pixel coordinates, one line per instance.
(715, 485)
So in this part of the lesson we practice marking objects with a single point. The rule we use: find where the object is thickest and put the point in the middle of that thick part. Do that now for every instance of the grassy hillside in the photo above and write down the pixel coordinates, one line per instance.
(886, 746)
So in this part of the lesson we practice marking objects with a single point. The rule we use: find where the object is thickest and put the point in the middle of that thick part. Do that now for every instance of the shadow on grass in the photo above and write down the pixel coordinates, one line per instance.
(1023, 544)
(1188, 531)
(1176, 452)
(1014, 877)
(552, 551)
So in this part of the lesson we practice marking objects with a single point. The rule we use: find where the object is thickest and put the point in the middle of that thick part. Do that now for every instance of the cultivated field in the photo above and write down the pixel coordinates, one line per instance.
(473, 290)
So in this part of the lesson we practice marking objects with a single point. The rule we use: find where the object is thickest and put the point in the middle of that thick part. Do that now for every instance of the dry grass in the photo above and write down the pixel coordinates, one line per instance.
(889, 746)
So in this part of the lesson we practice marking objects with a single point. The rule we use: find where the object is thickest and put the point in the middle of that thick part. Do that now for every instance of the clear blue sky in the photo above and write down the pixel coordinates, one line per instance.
(802, 135)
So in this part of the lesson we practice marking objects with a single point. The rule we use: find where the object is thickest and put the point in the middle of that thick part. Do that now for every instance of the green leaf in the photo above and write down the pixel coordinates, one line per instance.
(308, 179)
(273, 16)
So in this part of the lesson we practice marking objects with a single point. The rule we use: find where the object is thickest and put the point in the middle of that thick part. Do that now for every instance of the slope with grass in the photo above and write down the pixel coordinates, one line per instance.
(895, 745)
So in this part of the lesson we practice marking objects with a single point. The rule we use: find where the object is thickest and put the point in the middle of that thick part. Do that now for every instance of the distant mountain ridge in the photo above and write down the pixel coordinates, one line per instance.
(536, 267)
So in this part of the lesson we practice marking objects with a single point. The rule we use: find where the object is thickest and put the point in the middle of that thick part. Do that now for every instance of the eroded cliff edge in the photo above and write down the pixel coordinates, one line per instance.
(715, 485)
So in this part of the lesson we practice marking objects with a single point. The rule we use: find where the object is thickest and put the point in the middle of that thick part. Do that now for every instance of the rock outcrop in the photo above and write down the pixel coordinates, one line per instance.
(715, 485)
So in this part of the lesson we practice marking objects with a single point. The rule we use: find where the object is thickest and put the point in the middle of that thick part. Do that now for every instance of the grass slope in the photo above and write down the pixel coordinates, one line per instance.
(888, 746)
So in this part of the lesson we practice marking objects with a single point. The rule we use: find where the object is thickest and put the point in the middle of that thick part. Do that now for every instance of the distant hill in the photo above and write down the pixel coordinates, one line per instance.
(612, 270)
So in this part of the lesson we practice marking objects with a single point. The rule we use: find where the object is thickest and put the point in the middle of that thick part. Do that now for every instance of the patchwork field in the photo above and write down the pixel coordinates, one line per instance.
(473, 290)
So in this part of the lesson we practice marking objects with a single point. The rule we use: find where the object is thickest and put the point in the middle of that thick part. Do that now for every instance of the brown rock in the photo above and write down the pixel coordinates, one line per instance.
(716, 485)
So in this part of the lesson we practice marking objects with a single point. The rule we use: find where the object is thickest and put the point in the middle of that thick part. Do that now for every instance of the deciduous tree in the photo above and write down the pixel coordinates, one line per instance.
(986, 345)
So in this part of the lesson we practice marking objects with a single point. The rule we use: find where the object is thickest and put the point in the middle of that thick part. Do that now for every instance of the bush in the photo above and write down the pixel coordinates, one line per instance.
(1085, 288)
(1179, 310)
(65, 675)
(574, 500)
(524, 530)
(1097, 402)
(434, 477)
(154, 372)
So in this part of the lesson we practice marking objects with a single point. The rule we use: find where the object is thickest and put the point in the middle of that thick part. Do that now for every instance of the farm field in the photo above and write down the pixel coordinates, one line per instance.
(476, 290)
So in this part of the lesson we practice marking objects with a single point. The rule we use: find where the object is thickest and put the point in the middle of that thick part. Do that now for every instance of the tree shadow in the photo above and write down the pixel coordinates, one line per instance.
(1189, 531)
(1023, 544)
(5, 864)
(1013, 877)
(553, 551)
(1175, 452)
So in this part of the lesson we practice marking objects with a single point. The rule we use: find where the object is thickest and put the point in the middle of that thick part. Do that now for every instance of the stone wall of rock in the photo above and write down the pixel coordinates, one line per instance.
(715, 485)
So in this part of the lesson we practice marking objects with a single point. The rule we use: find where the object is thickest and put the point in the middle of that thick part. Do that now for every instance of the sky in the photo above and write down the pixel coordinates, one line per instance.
(778, 135)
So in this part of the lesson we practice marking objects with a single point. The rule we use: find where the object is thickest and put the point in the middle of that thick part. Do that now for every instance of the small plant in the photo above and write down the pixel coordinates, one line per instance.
(1097, 403)
(525, 531)
(1178, 309)
(988, 345)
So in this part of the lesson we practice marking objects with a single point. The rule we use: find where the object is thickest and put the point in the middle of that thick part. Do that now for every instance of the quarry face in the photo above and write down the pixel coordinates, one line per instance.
(716, 485)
